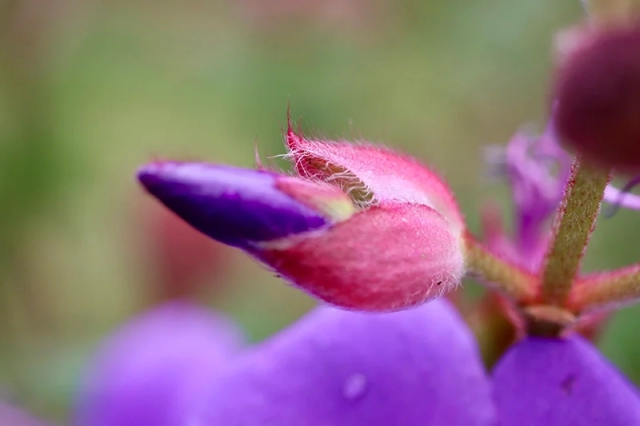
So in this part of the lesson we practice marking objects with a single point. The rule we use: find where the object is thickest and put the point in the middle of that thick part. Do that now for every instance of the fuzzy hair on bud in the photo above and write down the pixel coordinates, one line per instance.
(598, 94)
(359, 227)
(372, 174)
(321, 197)
(385, 258)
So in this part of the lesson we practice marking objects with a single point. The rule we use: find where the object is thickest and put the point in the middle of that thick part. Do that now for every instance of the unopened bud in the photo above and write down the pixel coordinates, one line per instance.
(235, 206)
(598, 94)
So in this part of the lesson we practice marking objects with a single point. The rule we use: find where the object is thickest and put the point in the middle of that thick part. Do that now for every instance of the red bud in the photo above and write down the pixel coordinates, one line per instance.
(598, 93)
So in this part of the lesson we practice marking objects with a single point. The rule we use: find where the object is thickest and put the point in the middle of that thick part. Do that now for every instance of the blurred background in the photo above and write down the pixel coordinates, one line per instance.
(91, 89)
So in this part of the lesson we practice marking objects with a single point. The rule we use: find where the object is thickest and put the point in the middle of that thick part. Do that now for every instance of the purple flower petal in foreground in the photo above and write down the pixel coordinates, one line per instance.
(418, 367)
(233, 205)
(144, 373)
(554, 382)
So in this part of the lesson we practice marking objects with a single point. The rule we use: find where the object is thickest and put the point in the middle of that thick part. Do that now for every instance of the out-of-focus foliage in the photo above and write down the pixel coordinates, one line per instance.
(90, 90)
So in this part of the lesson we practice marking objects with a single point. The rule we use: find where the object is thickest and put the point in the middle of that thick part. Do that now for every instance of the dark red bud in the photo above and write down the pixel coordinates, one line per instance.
(598, 94)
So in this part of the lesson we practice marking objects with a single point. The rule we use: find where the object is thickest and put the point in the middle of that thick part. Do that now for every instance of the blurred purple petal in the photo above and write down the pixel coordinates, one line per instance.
(623, 198)
(537, 170)
(554, 382)
(418, 367)
(144, 371)
(232, 205)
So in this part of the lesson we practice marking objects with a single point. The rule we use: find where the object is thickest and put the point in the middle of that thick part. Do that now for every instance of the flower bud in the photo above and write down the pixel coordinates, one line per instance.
(373, 175)
(382, 259)
(401, 248)
(235, 206)
(598, 93)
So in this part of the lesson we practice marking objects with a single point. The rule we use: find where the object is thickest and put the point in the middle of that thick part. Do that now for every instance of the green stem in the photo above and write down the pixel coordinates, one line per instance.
(510, 279)
(574, 224)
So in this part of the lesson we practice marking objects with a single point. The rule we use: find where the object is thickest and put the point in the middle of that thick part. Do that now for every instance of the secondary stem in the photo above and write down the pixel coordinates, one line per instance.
(575, 222)
(606, 290)
(508, 278)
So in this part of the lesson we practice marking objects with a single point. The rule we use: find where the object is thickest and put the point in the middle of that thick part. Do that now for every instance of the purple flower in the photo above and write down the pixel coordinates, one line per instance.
(169, 367)
(369, 230)
(145, 373)
(561, 382)
(416, 367)
(380, 236)
(552, 381)
(536, 169)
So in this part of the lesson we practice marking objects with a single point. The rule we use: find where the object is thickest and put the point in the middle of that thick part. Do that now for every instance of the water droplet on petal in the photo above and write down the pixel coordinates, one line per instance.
(355, 386)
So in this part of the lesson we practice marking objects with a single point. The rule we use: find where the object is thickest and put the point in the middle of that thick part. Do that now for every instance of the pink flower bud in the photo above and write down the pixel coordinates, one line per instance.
(361, 227)
(373, 175)
(385, 258)
(323, 198)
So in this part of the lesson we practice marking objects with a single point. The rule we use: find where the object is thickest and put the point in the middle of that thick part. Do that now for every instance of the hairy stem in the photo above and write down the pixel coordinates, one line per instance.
(516, 283)
(574, 224)
(606, 290)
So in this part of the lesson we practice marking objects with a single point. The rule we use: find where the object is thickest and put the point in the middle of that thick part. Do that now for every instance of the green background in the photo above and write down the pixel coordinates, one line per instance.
(89, 90)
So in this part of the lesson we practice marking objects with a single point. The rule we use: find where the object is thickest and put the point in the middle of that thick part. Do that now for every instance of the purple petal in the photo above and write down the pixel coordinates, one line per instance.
(537, 189)
(232, 205)
(623, 198)
(554, 382)
(143, 372)
(417, 367)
